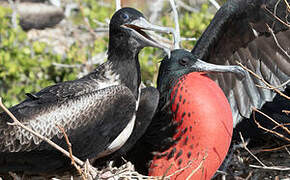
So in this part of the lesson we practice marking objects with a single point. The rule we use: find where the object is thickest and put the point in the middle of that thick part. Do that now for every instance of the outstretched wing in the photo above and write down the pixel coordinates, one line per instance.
(92, 121)
(240, 31)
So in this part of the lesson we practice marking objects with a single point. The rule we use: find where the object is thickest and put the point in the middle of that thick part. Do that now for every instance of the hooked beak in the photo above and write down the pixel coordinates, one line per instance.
(137, 26)
(201, 66)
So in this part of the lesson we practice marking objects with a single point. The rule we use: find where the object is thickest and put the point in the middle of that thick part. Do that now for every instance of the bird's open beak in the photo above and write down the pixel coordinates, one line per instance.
(139, 25)
(201, 66)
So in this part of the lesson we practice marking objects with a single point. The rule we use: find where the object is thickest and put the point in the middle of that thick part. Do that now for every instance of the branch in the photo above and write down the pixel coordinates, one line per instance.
(70, 152)
(244, 145)
(14, 13)
(118, 4)
(198, 167)
(87, 24)
(279, 168)
(276, 41)
(267, 130)
(276, 17)
(187, 7)
(18, 123)
(261, 79)
(215, 4)
(91, 172)
(176, 22)
(275, 87)
(271, 119)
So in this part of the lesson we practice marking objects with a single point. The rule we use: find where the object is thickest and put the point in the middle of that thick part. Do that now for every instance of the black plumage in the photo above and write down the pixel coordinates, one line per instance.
(238, 32)
(96, 111)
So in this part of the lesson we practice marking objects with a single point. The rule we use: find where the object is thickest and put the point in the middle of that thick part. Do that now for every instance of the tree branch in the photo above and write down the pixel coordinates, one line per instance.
(18, 123)
(176, 22)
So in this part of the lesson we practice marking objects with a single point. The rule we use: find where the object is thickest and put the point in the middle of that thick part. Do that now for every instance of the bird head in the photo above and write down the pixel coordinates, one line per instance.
(129, 25)
(182, 62)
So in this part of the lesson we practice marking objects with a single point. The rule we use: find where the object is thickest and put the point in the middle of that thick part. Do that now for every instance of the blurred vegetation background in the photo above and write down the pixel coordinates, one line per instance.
(30, 61)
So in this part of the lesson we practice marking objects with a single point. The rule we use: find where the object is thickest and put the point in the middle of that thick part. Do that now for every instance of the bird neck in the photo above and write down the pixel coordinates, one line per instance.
(126, 65)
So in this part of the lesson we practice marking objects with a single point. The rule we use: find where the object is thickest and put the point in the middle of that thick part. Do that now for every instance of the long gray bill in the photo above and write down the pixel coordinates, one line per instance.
(202, 66)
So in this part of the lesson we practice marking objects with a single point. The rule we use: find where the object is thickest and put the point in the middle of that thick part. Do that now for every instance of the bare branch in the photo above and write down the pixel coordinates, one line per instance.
(155, 8)
(177, 30)
(215, 4)
(14, 13)
(274, 149)
(70, 152)
(276, 17)
(268, 130)
(275, 87)
(87, 24)
(198, 167)
(186, 7)
(244, 145)
(271, 119)
(91, 172)
(261, 79)
(279, 168)
(118, 4)
(18, 123)
(286, 112)
(276, 41)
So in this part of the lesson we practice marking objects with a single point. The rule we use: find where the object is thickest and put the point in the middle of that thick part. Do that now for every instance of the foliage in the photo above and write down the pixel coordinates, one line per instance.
(27, 66)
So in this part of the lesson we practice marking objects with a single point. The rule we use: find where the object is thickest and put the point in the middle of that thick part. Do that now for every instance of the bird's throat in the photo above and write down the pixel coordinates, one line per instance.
(205, 130)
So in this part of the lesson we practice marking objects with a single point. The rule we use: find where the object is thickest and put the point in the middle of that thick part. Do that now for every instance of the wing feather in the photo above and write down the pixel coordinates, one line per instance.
(239, 32)
(87, 119)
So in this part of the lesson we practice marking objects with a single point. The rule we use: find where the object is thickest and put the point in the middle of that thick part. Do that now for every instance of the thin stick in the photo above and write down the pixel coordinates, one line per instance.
(87, 24)
(18, 123)
(176, 22)
(198, 167)
(268, 130)
(274, 149)
(215, 4)
(280, 168)
(271, 88)
(70, 152)
(271, 119)
(118, 5)
(276, 41)
(276, 17)
(244, 145)
(14, 13)
(261, 79)
(286, 112)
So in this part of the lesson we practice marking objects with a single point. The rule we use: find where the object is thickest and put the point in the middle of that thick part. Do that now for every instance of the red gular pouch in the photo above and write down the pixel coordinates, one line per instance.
(204, 133)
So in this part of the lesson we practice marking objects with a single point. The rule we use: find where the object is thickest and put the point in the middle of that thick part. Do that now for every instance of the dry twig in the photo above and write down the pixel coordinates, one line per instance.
(244, 145)
(263, 80)
(176, 22)
(279, 168)
(118, 4)
(268, 130)
(19, 124)
(70, 152)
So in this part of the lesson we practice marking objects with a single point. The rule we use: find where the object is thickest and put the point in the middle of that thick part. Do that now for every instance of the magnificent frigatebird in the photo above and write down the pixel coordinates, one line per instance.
(96, 111)
(34, 14)
(194, 118)
(252, 32)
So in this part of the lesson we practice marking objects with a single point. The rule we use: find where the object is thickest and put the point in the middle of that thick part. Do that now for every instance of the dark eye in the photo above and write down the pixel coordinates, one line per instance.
(125, 16)
(184, 61)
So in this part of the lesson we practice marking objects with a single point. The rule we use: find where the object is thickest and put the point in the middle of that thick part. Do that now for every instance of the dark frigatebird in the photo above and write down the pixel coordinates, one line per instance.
(34, 14)
(96, 111)
(253, 32)
(194, 118)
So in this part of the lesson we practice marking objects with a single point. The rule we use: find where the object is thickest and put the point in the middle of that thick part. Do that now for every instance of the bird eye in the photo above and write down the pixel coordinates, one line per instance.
(125, 16)
(183, 61)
